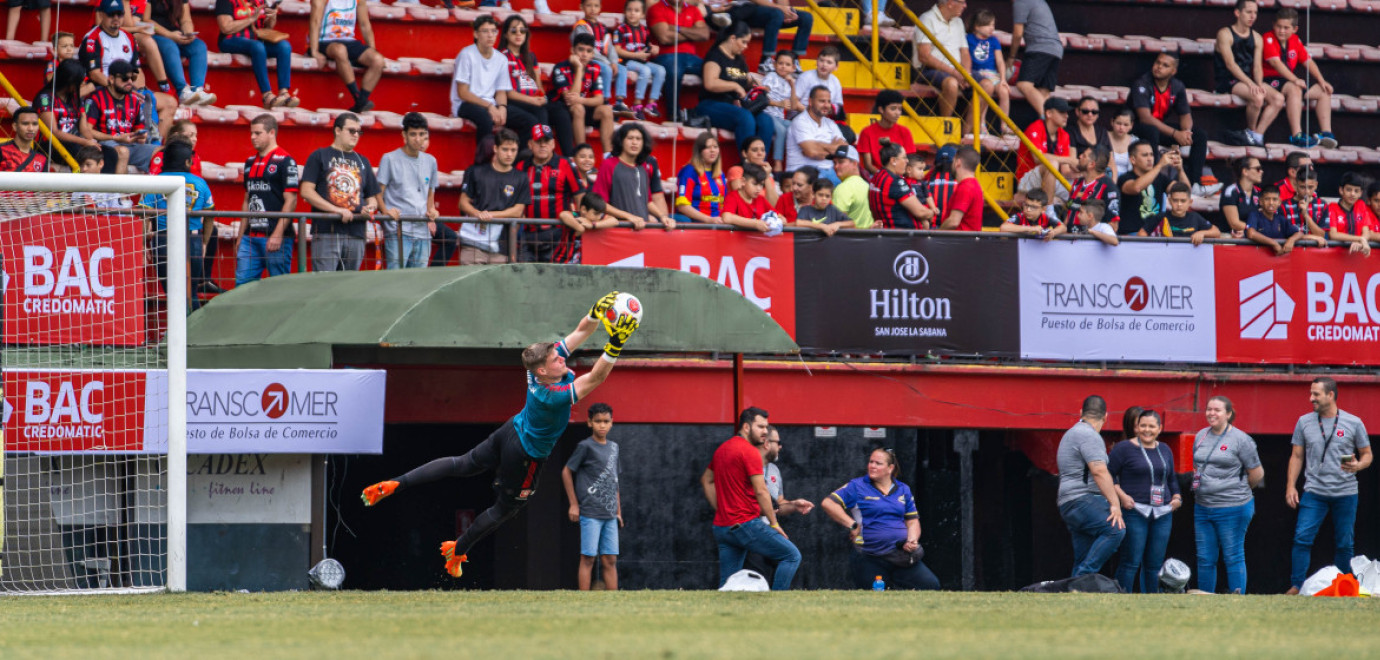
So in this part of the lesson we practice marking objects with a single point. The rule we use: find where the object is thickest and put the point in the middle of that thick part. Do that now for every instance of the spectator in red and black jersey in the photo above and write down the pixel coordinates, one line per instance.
(964, 211)
(1093, 183)
(1241, 198)
(893, 202)
(1349, 218)
(109, 42)
(184, 129)
(19, 154)
(577, 91)
(1164, 118)
(632, 41)
(1283, 52)
(1304, 208)
(239, 22)
(1293, 162)
(555, 186)
(528, 106)
(940, 183)
(271, 181)
(113, 117)
(604, 54)
(59, 106)
(1049, 136)
(1034, 218)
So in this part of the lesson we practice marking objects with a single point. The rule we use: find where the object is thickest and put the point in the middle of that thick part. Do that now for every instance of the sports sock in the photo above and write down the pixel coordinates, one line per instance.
(354, 89)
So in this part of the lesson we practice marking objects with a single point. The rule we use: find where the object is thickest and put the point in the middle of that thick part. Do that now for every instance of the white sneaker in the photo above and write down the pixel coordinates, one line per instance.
(1200, 190)
(886, 21)
(188, 96)
(205, 97)
(540, 7)
(720, 19)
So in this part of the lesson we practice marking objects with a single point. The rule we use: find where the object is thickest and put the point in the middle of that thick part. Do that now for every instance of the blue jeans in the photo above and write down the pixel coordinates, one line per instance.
(157, 245)
(258, 53)
(1094, 539)
(677, 65)
(598, 537)
(867, 11)
(1222, 529)
(744, 124)
(866, 568)
(173, 53)
(416, 252)
(254, 257)
(650, 76)
(1312, 510)
(778, 145)
(1142, 553)
(447, 241)
(771, 20)
(756, 536)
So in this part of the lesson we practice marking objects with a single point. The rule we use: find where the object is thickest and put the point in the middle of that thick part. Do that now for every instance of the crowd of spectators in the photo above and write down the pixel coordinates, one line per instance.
(799, 159)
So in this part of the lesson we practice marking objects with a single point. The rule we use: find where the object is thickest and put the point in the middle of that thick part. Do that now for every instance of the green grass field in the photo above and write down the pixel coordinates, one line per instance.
(684, 624)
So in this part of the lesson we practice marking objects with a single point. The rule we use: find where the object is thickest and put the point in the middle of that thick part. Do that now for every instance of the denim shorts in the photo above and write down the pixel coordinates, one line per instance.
(598, 537)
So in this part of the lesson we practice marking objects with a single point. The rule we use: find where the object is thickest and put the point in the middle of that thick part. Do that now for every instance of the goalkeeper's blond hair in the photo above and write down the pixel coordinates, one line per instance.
(534, 356)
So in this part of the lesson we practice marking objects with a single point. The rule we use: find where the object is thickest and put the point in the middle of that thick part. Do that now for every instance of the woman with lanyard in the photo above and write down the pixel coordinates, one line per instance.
(701, 186)
(1143, 468)
(883, 525)
(1225, 469)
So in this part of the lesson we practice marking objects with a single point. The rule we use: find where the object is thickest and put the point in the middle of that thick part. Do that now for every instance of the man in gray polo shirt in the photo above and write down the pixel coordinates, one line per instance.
(1332, 445)
(1087, 497)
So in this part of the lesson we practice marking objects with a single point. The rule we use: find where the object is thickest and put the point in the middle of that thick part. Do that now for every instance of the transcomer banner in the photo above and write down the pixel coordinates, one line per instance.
(230, 411)
(1151, 302)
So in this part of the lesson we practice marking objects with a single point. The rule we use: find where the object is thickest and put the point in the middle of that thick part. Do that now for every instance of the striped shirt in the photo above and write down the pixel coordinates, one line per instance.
(632, 38)
(702, 191)
(114, 116)
(1084, 190)
(523, 82)
(885, 195)
(1292, 211)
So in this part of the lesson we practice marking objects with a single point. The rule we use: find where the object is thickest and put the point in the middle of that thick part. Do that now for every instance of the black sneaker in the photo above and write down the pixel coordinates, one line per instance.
(622, 110)
(211, 288)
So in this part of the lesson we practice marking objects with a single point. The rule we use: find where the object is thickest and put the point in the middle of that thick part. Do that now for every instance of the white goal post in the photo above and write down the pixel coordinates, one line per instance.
(93, 338)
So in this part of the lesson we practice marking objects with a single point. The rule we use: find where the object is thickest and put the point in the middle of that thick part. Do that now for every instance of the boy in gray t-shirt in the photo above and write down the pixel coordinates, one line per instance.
(1330, 447)
(821, 213)
(591, 484)
(408, 176)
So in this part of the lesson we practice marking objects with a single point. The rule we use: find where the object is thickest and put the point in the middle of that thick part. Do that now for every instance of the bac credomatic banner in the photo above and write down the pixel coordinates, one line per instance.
(907, 294)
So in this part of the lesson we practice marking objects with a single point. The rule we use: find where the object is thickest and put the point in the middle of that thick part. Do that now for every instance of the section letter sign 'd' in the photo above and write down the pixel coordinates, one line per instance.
(72, 280)
(760, 268)
(907, 294)
(1312, 306)
(1081, 300)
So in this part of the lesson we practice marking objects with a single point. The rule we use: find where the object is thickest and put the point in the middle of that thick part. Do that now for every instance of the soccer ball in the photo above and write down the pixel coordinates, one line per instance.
(626, 304)
(774, 223)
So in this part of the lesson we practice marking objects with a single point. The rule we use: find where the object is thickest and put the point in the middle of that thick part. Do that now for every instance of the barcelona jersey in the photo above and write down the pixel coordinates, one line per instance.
(702, 191)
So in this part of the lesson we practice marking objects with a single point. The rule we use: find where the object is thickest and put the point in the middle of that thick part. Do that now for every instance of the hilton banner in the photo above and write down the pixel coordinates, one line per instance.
(907, 295)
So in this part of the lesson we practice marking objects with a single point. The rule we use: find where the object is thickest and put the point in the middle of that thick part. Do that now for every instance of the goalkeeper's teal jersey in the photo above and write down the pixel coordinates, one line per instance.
(542, 421)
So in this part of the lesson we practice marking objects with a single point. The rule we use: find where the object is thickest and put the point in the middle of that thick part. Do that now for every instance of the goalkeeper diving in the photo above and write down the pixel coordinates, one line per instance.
(517, 450)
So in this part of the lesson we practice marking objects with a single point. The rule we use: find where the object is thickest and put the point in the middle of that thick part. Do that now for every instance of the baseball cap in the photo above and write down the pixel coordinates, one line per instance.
(112, 7)
(845, 152)
(542, 132)
(945, 155)
(121, 68)
(1056, 103)
(735, 173)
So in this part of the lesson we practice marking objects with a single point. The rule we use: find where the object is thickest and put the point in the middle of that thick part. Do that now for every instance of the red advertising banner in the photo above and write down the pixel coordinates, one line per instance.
(72, 279)
(1312, 306)
(760, 268)
(74, 411)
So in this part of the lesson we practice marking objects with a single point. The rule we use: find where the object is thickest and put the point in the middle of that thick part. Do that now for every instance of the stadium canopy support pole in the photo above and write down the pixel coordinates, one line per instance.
(737, 384)
(965, 443)
(177, 398)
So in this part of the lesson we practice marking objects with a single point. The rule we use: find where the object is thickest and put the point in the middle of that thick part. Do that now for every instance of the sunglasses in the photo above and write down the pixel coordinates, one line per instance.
(127, 78)
(1090, 113)
(517, 31)
(1255, 167)
(353, 131)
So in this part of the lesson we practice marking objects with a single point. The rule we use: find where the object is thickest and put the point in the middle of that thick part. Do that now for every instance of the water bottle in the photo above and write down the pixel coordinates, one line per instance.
(878, 585)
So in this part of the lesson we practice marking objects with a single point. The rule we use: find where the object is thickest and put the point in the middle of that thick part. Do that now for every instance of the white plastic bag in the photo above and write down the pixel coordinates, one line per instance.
(1367, 572)
(1319, 581)
(746, 580)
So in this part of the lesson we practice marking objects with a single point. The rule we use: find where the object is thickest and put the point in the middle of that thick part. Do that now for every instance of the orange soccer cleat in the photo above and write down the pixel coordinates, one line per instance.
(378, 491)
(453, 562)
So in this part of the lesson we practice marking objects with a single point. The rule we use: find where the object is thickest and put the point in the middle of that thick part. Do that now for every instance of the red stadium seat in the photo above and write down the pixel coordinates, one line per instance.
(1153, 45)
(207, 113)
(308, 117)
(386, 12)
(1367, 6)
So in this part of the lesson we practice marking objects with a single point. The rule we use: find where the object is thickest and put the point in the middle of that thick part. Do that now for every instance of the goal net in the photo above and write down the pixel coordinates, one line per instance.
(94, 365)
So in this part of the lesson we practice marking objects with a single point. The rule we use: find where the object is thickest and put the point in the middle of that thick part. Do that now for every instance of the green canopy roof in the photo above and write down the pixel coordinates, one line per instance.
(302, 320)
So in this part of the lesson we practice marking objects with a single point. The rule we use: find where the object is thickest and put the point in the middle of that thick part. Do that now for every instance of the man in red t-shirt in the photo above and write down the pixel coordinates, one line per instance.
(744, 520)
(965, 207)
(1049, 136)
(890, 105)
(680, 30)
